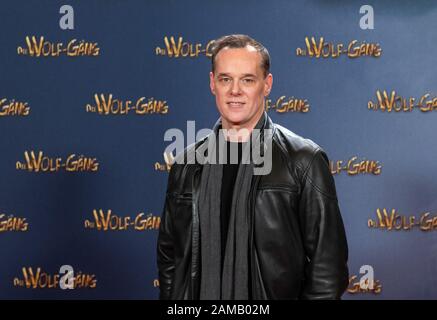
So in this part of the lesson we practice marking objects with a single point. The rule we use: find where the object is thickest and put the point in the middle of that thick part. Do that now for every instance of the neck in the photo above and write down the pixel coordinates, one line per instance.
(240, 132)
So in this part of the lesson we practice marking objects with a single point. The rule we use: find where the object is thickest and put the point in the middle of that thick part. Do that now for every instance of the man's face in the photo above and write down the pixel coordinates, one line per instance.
(239, 86)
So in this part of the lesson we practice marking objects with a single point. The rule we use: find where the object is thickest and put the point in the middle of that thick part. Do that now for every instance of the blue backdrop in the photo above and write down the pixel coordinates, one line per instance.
(46, 218)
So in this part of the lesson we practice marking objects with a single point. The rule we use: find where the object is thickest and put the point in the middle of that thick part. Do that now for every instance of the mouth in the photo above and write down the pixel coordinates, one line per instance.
(235, 104)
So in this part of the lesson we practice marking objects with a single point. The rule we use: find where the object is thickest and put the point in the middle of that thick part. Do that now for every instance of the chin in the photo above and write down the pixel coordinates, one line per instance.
(235, 119)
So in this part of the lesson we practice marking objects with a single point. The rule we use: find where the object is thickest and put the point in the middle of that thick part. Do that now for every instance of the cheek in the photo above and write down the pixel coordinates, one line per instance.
(221, 94)
(256, 95)
(220, 101)
(219, 91)
(219, 97)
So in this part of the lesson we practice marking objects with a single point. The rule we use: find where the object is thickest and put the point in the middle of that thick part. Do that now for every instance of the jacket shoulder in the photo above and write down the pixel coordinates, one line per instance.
(298, 150)
(307, 160)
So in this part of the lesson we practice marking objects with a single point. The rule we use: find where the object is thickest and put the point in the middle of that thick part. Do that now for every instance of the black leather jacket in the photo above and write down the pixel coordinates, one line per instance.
(298, 247)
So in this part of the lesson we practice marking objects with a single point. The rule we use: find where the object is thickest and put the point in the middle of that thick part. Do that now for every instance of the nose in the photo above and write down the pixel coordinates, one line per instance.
(235, 89)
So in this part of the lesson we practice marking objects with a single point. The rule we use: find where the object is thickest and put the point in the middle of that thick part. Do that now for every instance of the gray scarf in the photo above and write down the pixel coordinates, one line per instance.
(233, 283)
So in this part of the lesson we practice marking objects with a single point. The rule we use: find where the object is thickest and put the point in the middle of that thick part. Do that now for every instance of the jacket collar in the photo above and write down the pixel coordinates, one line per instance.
(264, 123)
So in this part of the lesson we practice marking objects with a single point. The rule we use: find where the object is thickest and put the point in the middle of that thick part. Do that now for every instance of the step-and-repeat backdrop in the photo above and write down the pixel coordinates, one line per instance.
(89, 88)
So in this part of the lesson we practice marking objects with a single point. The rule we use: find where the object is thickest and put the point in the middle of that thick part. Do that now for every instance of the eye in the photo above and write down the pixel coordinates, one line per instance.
(248, 80)
(225, 80)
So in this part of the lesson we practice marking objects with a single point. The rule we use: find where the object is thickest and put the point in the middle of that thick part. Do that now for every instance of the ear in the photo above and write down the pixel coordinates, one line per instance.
(268, 84)
(211, 82)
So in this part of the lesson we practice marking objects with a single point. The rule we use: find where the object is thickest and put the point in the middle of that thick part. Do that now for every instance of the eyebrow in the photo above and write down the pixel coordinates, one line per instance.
(244, 75)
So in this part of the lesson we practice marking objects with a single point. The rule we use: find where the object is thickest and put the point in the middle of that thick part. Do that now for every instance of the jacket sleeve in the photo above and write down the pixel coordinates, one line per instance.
(324, 238)
(165, 248)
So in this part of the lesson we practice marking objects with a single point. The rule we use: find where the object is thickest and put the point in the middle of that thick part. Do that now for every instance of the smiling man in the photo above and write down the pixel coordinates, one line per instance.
(230, 233)
(240, 80)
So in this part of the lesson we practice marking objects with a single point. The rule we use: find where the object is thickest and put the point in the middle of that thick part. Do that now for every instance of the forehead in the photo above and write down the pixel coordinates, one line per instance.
(232, 60)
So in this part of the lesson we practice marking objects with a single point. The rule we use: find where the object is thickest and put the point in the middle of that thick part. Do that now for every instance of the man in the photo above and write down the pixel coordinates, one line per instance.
(227, 233)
